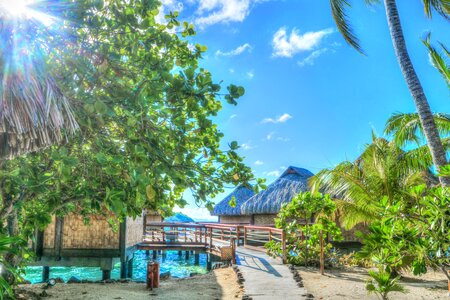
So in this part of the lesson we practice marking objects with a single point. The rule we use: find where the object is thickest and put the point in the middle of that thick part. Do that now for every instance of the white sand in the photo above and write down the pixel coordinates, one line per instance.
(219, 284)
(350, 284)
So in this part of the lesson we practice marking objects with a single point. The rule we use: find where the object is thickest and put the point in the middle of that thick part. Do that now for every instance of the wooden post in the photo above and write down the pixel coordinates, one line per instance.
(185, 234)
(233, 250)
(187, 255)
(221, 235)
(270, 235)
(238, 234)
(155, 253)
(130, 268)
(196, 258)
(322, 254)
(283, 240)
(45, 273)
(245, 236)
(106, 274)
(210, 239)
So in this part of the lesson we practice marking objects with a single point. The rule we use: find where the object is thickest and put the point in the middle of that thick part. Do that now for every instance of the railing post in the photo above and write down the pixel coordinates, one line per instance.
(270, 235)
(283, 241)
(245, 236)
(210, 238)
(238, 235)
(233, 250)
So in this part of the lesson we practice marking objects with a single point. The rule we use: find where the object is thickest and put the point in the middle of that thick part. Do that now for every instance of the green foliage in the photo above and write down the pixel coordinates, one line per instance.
(440, 62)
(145, 110)
(382, 171)
(306, 216)
(381, 283)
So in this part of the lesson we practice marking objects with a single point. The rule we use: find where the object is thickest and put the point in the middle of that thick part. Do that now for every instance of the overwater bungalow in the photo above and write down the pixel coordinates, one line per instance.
(263, 207)
(68, 241)
(229, 214)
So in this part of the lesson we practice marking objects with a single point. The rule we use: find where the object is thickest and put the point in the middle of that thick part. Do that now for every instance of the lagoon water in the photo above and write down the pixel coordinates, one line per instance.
(177, 265)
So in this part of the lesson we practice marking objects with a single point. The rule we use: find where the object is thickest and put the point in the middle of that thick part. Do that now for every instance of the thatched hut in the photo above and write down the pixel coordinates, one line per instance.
(228, 214)
(264, 206)
(69, 241)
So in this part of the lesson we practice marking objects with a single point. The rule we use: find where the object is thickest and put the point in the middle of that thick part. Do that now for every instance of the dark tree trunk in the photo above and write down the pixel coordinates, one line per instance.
(423, 108)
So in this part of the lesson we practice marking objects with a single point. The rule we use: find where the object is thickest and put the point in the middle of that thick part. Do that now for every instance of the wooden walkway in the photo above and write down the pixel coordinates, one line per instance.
(266, 277)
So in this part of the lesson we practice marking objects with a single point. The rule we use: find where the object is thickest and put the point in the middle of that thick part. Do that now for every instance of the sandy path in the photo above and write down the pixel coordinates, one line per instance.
(219, 284)
(350, 284)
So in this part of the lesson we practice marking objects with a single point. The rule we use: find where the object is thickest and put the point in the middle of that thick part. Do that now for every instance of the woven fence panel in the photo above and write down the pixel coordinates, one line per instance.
(134, 232)
(98, 234)
(49, 235)
(226, 253)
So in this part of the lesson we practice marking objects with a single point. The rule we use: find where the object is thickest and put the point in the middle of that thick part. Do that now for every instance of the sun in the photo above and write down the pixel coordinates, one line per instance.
(16, 8)
(22, 9)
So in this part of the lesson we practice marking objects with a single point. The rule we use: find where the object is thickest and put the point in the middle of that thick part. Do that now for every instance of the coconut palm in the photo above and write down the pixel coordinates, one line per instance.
(383, 170)
(431, 133)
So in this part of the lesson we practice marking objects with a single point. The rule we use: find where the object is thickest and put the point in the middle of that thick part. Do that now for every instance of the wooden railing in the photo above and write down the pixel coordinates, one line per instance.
(215, 236)
(255, 237)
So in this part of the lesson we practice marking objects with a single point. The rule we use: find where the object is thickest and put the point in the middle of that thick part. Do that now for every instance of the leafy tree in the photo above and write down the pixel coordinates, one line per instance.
(303, 220)
(145, 110)
(431, 133)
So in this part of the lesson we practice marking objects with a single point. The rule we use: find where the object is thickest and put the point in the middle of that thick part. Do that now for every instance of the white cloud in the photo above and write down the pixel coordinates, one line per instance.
(309, 60)
(223, 11)
(281, 119)
(287, 45)
(274, 173)
(247, 146)
(233, 116)
(283, 139)
(231, 70)
(258, 163)
(239, 50)
(250, 74)
(270, 136)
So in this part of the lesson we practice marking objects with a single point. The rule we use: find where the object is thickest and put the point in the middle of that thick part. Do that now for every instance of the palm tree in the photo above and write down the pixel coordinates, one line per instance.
(383, 170)
(431, 133)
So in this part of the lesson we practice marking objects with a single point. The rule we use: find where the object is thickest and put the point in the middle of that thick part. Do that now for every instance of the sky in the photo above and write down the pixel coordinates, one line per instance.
(311, 100)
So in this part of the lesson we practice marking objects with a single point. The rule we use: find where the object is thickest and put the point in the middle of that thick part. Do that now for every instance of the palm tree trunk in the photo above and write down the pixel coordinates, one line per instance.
(420, 100)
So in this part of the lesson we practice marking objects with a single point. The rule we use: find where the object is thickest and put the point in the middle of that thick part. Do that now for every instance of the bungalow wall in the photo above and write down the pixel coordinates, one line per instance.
(265, 219)
(68, 241)
(235, 219)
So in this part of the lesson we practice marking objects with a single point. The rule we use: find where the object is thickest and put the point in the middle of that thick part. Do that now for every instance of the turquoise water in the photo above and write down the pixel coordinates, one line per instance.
(177, 265)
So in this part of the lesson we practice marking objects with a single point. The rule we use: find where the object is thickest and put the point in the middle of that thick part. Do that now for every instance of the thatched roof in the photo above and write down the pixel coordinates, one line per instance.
(34, 113)
(282, 190)
(241, 193)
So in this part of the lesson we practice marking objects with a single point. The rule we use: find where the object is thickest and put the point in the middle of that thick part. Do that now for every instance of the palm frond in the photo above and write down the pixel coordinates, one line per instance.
(406, 127)
(438, 60)
(442, 7)
(339, 12)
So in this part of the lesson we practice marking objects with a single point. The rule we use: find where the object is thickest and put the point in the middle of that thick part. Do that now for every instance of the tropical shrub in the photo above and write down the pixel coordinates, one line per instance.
(381, 283)
(303, 220)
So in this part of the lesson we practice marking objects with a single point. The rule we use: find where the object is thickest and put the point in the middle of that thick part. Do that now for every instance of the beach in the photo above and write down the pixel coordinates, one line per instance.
(349, 283)
(218, 284)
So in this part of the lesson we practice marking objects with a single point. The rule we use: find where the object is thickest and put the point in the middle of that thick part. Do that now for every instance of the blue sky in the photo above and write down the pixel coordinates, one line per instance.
(311, 100)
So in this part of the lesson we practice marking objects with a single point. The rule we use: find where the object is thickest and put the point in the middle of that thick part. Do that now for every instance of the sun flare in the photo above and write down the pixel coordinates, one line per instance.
(15, 8)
